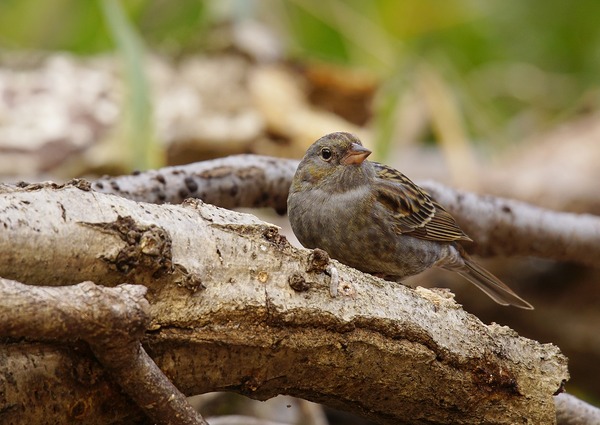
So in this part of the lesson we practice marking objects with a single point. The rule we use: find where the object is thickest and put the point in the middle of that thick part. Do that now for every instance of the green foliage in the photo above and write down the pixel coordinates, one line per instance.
(314, 37)
(137, 135)
(79, 26)
(504, 59)
(551, 34)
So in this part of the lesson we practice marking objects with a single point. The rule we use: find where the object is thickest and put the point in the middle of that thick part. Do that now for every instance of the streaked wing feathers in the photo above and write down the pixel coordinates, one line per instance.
(414, 211)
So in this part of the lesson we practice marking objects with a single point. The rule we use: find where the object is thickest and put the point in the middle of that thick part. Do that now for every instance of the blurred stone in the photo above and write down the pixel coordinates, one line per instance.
(344, 91)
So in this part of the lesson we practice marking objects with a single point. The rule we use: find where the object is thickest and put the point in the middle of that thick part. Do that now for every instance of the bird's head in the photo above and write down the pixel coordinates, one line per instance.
(335, 159)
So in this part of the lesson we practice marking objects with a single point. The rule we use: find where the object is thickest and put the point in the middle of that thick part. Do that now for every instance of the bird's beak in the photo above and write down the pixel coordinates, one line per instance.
(356, 155)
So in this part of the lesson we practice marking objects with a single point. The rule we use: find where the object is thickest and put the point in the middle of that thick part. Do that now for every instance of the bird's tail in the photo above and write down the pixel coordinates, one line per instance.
(491, 285)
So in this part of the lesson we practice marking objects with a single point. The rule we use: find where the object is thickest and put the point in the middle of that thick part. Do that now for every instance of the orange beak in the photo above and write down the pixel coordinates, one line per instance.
(356, 155)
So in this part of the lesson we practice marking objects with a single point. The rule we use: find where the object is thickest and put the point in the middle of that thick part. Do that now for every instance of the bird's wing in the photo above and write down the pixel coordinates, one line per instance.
(413, 210)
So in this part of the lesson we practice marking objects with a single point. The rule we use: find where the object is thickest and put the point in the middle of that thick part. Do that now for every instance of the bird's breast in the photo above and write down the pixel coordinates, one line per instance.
(331, 221)
(351, 230)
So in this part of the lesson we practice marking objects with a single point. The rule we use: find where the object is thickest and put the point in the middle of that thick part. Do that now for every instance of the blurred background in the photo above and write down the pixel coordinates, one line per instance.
(498, 97)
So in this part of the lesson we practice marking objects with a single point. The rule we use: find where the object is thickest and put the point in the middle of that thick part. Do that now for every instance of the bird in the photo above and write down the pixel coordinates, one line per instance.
(372, 217)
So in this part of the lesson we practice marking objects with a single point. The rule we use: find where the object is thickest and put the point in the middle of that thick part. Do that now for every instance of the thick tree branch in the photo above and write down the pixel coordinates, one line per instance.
(85, 311)
(499, 226)
(112, 321)
(230, 182)
(572, 411)
(241, 420)
(508, 227)
(235, 307)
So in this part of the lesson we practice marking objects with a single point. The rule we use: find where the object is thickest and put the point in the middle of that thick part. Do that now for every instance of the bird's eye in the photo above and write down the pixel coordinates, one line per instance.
(326, 154)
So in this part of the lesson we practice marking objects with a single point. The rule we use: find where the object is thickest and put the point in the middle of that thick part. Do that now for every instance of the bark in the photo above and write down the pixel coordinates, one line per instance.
(508, 227)
(233, 181)
(112, 321)
(234, 307)
(241, 420)
(572, 411)
(499, 226)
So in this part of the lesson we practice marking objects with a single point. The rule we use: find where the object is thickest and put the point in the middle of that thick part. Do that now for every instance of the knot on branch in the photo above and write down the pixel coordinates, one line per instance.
(318, 261)
(147, 246)
(298, 283)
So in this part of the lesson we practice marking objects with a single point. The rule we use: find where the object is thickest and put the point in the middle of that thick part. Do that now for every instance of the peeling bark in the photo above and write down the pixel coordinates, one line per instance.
(379, 349)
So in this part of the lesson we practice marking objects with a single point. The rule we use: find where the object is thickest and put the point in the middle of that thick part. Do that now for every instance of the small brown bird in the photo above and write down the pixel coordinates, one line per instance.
(373, 218)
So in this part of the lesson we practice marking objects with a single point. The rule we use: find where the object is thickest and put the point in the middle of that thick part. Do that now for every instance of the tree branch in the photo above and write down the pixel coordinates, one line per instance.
(572, 411)
(230, 182)
(228, 313)
(499, 226)
(112, 321)
(508, 227)
(241, 420)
